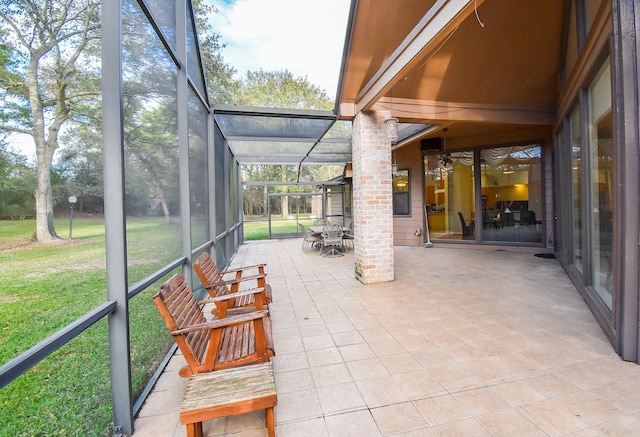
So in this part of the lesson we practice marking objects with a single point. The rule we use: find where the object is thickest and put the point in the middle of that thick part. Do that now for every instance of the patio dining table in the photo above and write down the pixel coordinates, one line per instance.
(318, 229)
(335, 247)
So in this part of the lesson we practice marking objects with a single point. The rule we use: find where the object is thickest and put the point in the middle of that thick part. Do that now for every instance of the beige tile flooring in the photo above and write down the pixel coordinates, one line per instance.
(464, 342)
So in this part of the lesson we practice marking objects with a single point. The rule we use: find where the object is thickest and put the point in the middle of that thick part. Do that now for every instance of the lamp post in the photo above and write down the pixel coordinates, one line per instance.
(72, 201)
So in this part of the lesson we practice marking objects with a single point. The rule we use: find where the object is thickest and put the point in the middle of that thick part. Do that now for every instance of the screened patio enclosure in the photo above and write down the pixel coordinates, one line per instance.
(171, 157)
(283, 136)
(194, 179)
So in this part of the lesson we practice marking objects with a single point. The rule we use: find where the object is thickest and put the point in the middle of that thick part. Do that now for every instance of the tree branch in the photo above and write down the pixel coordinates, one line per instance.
(16, 130)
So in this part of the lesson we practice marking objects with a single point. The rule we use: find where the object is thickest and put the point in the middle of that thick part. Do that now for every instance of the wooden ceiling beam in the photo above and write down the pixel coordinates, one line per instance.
(424, 111)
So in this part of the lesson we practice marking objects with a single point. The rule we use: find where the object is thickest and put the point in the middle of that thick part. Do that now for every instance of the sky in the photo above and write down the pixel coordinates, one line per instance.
(305, 37)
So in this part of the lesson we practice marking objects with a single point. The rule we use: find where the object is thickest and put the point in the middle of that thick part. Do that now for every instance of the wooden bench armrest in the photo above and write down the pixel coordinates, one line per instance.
(222, 323)
(237, 280)
(239, 269)
(232, 295)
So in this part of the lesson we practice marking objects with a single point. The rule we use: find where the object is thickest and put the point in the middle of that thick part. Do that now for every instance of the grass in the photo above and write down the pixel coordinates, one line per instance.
(46, 287)
(259, 230)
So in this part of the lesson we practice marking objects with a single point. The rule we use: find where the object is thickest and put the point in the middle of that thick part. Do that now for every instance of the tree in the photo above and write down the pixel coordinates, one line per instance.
(17, 182)
(41, 80)
(151, 148)
(223, 87)
(280, 89)
(79, 165)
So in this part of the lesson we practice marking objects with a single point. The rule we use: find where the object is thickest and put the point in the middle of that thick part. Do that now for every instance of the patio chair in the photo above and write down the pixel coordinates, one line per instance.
(527, 218)
(487, 221)
(209, 345)
(213, 281)
(347, 236)
(332, 239)
(309, 239)
(335, 221)
(466, 230)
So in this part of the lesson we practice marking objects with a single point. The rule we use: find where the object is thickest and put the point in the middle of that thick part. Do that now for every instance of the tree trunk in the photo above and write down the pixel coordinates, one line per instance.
(45, 227)
(163, 203)
(285, 207)
(165, 208)
(265, 199)
(45, 147)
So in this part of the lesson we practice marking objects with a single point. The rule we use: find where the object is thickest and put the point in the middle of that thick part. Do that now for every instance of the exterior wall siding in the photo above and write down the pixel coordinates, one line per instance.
(404, 228)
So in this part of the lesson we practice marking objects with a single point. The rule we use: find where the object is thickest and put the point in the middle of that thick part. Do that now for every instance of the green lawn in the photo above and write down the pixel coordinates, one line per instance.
(259, 230)
(46, 287)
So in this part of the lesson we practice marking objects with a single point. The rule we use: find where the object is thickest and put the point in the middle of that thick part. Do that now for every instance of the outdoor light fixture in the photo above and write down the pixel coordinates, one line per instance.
(72, 203)
(392, 128)
(392, 124)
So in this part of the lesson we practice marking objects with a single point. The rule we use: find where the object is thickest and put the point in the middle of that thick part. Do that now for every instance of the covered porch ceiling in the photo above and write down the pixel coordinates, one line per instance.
(487, 71)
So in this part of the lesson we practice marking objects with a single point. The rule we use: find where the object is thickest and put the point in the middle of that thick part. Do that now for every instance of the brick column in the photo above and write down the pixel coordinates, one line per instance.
(372, 199)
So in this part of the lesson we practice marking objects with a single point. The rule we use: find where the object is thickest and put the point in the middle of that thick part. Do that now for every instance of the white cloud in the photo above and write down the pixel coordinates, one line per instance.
(305, 37)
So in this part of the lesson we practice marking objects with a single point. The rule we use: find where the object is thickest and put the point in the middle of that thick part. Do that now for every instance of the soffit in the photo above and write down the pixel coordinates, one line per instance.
(507, 70)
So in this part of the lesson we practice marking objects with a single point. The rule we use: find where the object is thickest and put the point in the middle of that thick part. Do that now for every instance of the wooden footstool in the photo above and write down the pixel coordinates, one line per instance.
(228, 392)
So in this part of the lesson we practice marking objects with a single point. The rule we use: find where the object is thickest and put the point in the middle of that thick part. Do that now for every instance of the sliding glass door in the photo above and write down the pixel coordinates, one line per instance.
(511, 179)
(449, 194)
(511, 202)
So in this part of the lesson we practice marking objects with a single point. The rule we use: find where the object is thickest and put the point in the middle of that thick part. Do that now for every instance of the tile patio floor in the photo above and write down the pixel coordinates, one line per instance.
(464, 342)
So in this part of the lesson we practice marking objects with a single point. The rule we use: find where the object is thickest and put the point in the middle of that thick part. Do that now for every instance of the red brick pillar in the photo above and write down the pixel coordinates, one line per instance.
(372, 198)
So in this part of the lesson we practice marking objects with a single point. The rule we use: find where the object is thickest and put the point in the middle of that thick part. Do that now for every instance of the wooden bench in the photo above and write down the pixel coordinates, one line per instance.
(228, 392)
(220, 343)
(214, 282)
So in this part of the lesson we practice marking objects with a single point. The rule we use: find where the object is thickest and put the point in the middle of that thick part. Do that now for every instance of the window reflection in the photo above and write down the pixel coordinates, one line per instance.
(449, 189)
(511, 199)
(512, 194)
(164, 14)
(601, 179)
(151, 147)
(576, 188)
(401, 193)
(194, 68)
(198, 181)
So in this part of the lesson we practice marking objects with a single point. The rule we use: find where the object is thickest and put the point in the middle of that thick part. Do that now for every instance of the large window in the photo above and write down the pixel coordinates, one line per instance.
(401, 193)
(576, 188)
(601, 182)
(589, 215)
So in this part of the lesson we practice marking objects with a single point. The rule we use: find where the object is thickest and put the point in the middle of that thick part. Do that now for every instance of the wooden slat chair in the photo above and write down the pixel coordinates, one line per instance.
(216, 344)
(213, 281)
(228, 392)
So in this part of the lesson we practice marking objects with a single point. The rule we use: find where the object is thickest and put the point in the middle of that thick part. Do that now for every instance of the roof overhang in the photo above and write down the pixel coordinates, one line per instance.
(480, 69)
